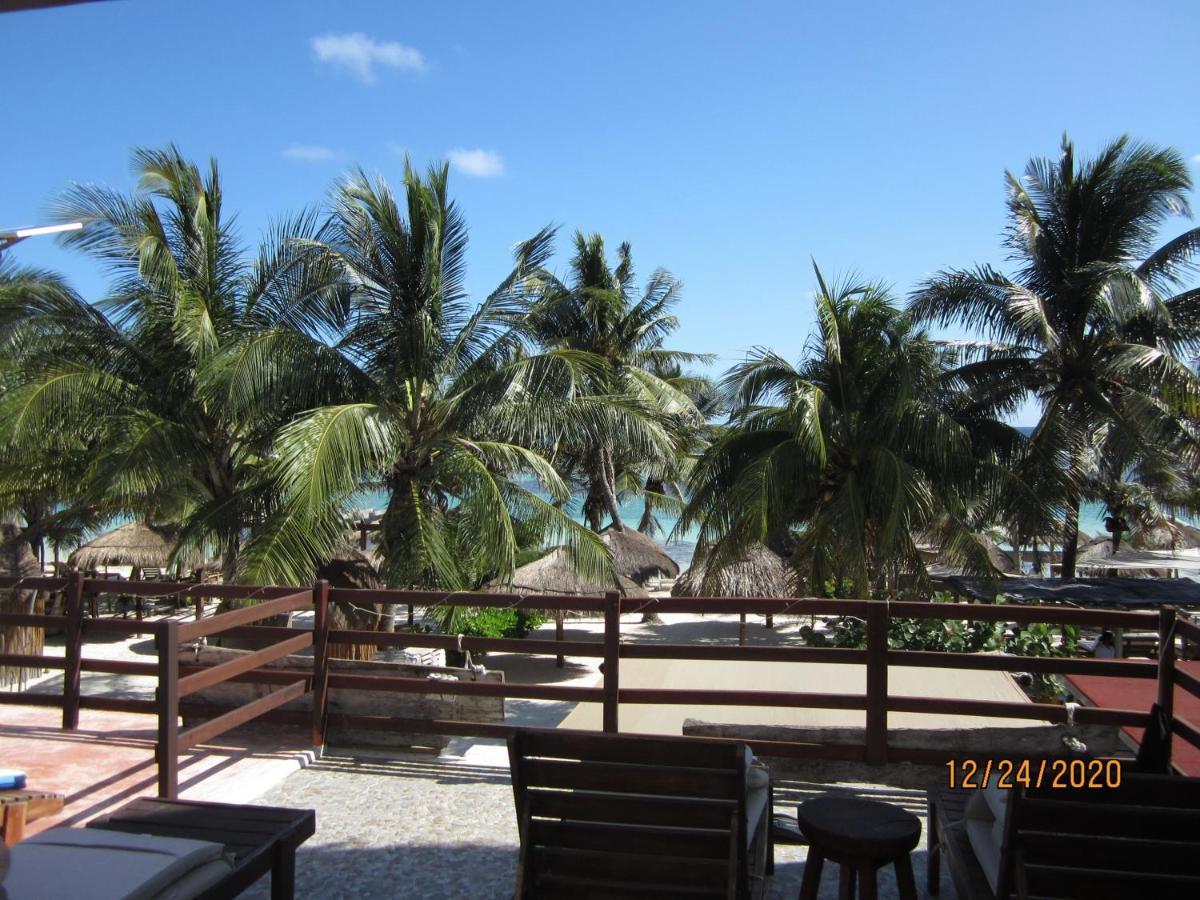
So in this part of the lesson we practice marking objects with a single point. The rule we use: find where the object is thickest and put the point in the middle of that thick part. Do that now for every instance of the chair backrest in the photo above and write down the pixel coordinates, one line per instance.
(1139, 839)
(622, 815)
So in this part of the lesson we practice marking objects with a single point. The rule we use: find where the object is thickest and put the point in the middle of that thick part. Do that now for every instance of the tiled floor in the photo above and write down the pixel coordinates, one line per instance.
(109, 760)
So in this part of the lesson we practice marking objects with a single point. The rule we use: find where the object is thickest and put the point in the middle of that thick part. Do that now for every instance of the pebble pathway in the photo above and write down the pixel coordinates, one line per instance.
(411, 826)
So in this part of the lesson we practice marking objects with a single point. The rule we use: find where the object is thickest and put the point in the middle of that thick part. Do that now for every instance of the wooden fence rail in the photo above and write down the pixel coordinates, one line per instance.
(176, 679)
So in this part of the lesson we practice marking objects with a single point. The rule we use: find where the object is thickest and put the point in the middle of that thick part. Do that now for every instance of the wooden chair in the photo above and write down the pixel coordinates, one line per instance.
(627, 815)
(1141, 839)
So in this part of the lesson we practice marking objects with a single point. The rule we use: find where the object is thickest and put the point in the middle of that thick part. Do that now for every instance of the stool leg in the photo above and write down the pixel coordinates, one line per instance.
(906, 887)
(867, 888)
(846, 882)
(811, 883)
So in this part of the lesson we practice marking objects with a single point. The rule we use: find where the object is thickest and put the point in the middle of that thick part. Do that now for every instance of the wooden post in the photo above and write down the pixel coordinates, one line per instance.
(1166, 668)
(560, 660)
(167, 697)
(135, 574)
(198, 602)
(73, 640)
(742, 630)
(320, 683)
(877, 682)
(612, 660)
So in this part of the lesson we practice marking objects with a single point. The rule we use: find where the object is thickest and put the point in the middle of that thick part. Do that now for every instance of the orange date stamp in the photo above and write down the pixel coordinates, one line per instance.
(1007, 774)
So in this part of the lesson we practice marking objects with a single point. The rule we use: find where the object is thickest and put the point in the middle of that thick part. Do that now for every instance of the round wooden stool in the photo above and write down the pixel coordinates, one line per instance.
(862, 836)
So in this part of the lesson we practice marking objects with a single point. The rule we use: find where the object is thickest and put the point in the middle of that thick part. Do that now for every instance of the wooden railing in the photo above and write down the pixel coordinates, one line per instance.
(177, 681)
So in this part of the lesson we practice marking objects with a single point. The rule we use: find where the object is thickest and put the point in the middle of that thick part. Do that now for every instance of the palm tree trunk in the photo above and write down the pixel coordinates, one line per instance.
(647, 524)
(229, 557)
(1070, 548)
(608, 489)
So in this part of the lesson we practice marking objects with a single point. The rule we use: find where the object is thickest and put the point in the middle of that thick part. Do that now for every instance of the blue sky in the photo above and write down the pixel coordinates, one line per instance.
(729, 142)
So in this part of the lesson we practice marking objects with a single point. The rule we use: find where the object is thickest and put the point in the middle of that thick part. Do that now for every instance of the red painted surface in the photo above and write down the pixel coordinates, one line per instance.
(1140, 694)
(109, 760)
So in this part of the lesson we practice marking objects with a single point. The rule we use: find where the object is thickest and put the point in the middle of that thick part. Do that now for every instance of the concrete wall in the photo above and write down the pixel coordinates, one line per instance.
(454, 707)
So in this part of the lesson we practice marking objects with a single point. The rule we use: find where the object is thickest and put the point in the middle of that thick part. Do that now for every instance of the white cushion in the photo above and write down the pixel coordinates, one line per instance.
(112, 865)
(758, 794)
(985, 819)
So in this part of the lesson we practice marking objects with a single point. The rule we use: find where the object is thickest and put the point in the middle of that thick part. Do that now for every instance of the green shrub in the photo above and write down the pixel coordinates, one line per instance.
(496, 623)
(953, 635)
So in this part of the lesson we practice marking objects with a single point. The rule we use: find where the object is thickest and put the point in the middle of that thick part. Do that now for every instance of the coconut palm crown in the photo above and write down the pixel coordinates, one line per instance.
(600, 311)
(138, 398)
(443, 406)
(1093, 324)
(853, 447)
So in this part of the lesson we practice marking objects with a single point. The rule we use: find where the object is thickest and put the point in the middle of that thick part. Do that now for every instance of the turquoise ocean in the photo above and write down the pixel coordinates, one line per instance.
(681, 547)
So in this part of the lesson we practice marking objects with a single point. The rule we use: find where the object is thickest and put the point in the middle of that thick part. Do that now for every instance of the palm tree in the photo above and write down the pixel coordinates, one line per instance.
(149, 400)
(1141, 485)
(855, 446)
(1090, 325)
(443, 405)
(663, 483)
(34, 485)
(598, 311)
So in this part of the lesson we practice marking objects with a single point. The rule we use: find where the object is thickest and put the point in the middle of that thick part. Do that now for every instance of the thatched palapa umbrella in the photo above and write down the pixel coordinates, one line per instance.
(350, 568)
(758, 573)
(1000, 560)
(136, 544)
(637, 556)
(554, 574)
(1170, 535)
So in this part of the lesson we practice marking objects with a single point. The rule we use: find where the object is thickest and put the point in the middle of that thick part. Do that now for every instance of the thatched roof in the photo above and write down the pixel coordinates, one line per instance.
(941, 564)
(1000, 560)
(759, 573)
(1096, 548)
(554, 574)
(350, 568)
(637, 556)
(16, 558)
(134, 544)
(1171, 535)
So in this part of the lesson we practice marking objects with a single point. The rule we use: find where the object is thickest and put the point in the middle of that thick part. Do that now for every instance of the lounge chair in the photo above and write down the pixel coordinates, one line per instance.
(153, 849)
(622, 815)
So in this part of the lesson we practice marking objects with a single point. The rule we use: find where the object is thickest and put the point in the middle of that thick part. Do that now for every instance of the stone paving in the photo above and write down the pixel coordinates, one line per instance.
(442, 827)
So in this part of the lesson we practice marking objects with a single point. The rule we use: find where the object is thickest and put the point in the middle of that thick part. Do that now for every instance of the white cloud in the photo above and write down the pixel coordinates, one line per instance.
(309, 153)
(1196, 159)
(480, 163)
(396, 148)
(360, 54)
